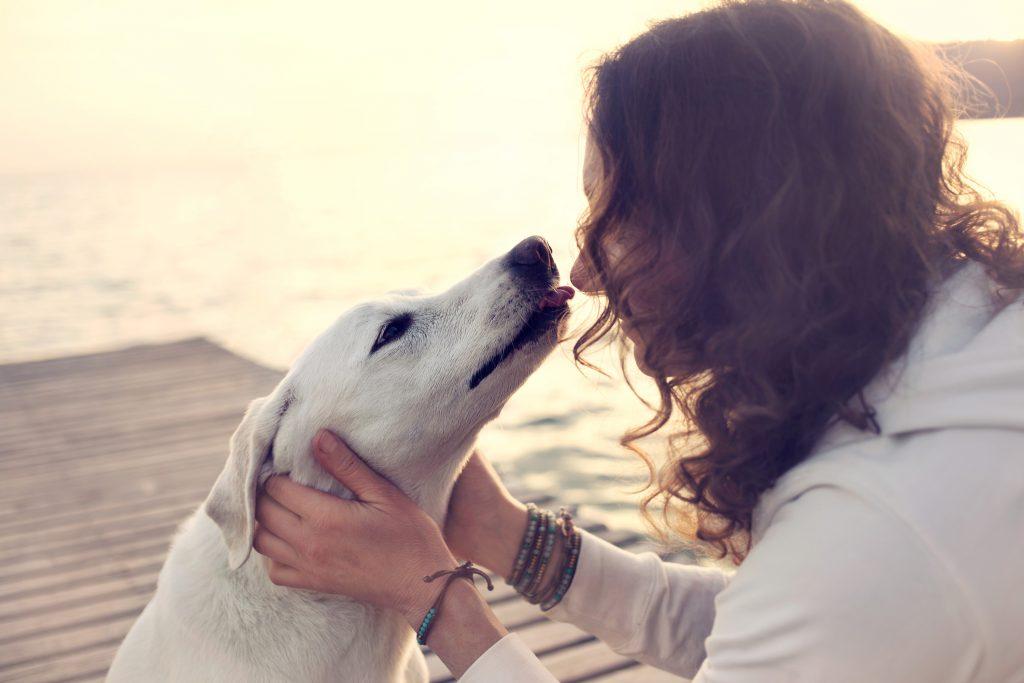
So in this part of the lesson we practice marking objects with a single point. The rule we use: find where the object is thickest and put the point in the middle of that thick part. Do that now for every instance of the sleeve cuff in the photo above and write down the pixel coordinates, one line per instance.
(604, 570)
(508, 661)
(642, 607)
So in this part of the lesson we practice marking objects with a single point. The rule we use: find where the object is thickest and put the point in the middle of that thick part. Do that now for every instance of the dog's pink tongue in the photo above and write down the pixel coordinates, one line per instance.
(557, 297)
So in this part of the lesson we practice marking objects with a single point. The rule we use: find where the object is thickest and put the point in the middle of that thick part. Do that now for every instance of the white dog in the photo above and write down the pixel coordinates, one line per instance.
(408, 382)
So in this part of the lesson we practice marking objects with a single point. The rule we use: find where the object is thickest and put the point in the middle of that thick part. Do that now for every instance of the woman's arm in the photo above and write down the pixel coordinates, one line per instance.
(841, 588)
(375, 549)
(657, 612)
(629, 601)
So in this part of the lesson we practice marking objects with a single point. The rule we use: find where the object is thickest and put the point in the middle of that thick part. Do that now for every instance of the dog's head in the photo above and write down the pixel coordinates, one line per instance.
(407, 381)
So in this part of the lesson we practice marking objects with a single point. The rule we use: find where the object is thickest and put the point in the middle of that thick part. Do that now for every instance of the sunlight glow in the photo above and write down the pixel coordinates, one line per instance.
(123, 81)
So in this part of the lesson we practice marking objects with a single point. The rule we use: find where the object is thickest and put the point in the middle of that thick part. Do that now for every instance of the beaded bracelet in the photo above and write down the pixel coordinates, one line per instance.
(535, 557)
(466, 570)
(572, 552)
(567, 529)
(532, 518)
(549, 545)
(535, 551)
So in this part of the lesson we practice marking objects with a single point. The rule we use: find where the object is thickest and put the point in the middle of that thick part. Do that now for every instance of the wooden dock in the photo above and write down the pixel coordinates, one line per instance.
(101, 456)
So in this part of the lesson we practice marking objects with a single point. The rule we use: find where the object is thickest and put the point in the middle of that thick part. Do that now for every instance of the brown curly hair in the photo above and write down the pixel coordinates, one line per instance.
(785, 180)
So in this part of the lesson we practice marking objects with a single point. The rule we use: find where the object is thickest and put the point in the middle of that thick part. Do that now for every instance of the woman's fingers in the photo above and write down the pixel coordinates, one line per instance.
(273, 547)
(279, 519)
(300, 500)
(286, 575)
(345, 466)
(316, 541)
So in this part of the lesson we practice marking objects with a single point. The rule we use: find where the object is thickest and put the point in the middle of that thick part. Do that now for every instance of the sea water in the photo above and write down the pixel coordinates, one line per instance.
(261, 254)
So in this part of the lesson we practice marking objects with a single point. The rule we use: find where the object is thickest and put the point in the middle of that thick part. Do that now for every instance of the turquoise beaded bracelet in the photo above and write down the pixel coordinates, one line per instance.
(544, 525)
(530, 592)
(532, 519)
(466, 570)
(534, 557)
(424, 630)
(572, 552)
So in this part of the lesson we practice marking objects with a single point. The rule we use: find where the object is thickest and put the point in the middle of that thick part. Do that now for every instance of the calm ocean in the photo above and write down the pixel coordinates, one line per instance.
(261, 255)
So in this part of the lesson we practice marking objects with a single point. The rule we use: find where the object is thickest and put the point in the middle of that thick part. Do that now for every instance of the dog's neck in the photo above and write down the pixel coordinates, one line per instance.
(430, 481)
(427, 478)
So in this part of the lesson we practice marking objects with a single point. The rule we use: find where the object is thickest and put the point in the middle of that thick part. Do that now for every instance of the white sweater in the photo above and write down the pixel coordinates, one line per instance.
(891, 557)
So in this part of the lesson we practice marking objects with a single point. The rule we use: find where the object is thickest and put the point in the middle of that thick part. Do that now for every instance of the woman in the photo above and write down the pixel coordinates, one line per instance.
(780, 227)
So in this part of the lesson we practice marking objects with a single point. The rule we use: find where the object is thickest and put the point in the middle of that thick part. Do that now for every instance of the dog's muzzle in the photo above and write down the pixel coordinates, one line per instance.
(533, 267)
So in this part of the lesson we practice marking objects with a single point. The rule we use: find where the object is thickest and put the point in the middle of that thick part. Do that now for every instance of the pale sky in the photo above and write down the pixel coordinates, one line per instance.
(90, 83)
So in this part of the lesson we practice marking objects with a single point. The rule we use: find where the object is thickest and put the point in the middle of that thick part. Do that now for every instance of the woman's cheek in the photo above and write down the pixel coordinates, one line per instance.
(639, 346)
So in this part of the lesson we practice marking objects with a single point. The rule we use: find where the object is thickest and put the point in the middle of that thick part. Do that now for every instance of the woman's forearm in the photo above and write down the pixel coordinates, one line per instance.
(499, 537)
(464, 629)
(502, 539)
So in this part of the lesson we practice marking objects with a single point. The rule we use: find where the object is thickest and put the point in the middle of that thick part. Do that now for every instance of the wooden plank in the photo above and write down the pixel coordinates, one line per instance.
(107, 629)
(179, 459)
(87, 664)
(96, 593)
(115, 516)
(94, 428)
(102, 456)
(32, 639)
(113, 385)
(83, 402)
(585, 662)
(108, 569)
(59, 564)
(647, 674)
(100, 540)
(99, 487)
(180, 354)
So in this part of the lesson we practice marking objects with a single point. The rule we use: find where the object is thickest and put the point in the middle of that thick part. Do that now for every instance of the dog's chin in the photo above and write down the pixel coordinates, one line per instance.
(528, 347)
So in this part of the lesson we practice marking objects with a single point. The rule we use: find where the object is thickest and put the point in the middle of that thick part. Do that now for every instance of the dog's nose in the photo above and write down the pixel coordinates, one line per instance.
(531, 251)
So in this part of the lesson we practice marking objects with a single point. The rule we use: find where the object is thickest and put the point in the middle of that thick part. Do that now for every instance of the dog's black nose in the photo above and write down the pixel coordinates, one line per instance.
(531, 251)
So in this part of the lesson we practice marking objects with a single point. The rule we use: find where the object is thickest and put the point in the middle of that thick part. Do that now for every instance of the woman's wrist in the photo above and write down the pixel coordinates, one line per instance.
(501, 537)
(464, 627)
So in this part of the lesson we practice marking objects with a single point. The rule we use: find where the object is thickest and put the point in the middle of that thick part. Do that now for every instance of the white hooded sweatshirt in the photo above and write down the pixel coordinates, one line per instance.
(882, 557)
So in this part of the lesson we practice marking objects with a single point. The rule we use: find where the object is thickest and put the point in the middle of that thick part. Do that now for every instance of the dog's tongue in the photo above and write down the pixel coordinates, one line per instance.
(557, 297)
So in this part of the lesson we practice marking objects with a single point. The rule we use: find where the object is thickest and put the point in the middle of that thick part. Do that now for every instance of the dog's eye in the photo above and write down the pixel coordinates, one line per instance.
(392, 330)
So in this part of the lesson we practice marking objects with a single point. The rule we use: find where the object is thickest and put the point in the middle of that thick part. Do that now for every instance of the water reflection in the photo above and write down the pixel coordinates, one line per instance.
(262, 255)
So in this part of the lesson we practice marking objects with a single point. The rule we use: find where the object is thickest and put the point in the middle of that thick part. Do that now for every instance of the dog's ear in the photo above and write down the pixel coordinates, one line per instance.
(232, 502)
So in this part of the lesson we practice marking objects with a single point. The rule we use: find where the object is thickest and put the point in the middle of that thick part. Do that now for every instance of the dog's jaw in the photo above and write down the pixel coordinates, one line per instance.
(427, 477)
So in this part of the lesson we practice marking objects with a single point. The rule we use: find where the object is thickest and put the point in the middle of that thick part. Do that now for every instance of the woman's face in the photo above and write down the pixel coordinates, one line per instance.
(582, 275)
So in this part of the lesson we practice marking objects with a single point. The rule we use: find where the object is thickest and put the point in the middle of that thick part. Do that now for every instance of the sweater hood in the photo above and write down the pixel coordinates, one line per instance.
(964, 368)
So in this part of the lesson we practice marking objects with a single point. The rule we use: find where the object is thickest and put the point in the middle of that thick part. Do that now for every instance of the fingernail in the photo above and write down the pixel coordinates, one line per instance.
(327, 442)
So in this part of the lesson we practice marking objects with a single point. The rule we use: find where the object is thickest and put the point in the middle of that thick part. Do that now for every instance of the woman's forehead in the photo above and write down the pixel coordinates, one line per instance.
(592, 170)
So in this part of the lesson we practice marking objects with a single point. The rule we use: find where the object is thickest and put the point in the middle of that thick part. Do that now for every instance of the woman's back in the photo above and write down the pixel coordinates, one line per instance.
(900, 549)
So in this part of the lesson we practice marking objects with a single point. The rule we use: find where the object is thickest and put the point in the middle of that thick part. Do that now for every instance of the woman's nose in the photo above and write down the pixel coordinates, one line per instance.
(582, 276)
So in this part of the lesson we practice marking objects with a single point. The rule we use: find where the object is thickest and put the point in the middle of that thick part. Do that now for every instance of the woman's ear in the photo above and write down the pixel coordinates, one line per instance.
(232, 502)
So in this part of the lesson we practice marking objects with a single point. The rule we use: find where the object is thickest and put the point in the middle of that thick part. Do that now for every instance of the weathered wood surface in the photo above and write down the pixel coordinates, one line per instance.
(101, 456)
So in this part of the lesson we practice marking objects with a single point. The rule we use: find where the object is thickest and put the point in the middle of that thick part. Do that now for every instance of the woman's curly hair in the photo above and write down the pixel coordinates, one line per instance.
(784, 183)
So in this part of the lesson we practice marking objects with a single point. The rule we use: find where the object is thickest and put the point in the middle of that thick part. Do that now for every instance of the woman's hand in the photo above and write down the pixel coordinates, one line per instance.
(485, 523)
(375, 549)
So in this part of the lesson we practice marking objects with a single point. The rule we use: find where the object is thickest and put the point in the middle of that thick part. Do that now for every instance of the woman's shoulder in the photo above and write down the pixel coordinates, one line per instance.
(832, 584)
(932, 482)
(948, 420)
(911, 532)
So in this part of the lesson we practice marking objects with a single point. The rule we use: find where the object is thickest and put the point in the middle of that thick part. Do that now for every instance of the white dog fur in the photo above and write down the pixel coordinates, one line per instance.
(408, 409)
